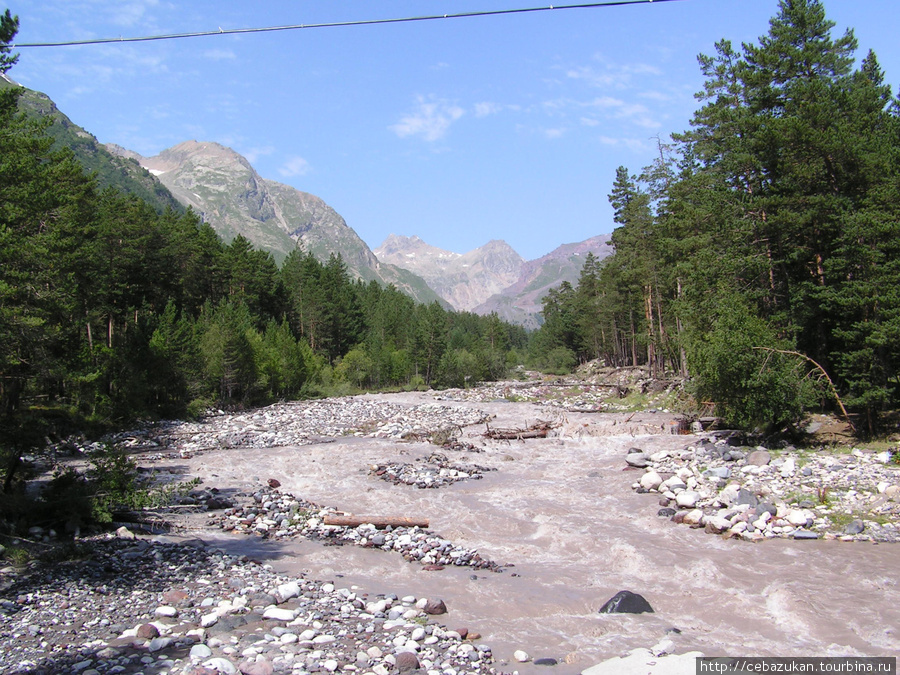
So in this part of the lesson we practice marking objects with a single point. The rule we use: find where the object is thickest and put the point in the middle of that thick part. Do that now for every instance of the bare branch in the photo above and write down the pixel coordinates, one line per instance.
(824, 374)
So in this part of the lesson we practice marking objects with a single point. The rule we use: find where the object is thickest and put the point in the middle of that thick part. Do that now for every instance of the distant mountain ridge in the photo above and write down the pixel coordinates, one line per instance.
(521, 301)
(228, 193)
(493, 277)
(223, 187)
(463, 280)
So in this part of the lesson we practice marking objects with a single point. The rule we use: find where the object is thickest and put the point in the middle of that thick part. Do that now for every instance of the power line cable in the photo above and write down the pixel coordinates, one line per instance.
(336, 24)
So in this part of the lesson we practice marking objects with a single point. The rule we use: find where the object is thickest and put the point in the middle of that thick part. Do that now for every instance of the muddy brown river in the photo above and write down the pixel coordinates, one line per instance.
(562, 511)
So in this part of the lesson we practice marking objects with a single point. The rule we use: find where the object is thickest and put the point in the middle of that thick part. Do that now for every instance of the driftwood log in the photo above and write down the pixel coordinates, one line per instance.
(377, 521)
(538, 430)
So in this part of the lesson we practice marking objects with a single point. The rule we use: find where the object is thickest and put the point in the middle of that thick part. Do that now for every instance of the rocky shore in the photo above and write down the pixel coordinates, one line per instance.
(287, 424)
(129, 605)
(756, 493)
(270, 513)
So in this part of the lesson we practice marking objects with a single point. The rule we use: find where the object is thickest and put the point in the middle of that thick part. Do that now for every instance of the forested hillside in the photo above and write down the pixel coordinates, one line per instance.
(111, 170)
(759, 253)
(110, 310)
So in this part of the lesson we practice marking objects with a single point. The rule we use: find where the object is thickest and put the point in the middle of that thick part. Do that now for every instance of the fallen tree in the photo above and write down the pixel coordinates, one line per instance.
(378, 521)
(537, 430)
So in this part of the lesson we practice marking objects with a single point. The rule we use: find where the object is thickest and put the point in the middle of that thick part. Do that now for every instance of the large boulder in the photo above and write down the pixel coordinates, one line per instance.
(687, 499)
(637, 459)
(651, 480)
(626, 602)
(759, 457)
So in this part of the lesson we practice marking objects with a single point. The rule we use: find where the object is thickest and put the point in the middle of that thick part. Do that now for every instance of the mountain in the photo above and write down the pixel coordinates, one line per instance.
(463, 280)
(224, 188)
(493, 278)
(112, 170)
(521, 301)
(228, 193)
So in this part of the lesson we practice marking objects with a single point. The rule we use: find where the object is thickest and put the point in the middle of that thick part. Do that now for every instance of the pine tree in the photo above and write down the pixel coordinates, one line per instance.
(9, 26)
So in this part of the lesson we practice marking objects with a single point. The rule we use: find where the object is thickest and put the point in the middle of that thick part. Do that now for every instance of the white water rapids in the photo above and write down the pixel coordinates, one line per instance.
(562, 511)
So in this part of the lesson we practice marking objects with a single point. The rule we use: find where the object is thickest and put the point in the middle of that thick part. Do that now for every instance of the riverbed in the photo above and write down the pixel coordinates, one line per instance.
(561, 511)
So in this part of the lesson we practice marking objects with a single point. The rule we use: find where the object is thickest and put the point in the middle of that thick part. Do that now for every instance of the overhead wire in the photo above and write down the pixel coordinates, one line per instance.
(335, 24)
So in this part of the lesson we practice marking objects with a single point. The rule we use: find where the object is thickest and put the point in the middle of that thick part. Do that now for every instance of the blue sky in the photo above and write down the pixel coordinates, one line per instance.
(459, 130)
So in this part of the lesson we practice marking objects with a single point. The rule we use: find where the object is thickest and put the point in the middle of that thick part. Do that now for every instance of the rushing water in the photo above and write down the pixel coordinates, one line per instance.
(562, 511)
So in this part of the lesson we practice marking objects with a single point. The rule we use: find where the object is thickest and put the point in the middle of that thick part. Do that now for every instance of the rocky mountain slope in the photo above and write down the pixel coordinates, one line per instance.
(464, 280)
(234, 199)
(492, 278)
(520, 302)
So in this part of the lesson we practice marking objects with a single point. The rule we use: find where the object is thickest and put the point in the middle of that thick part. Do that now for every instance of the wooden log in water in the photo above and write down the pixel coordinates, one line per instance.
(377, 521)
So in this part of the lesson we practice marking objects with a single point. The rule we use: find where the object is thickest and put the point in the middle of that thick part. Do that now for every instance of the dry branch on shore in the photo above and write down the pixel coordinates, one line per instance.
(536, 430)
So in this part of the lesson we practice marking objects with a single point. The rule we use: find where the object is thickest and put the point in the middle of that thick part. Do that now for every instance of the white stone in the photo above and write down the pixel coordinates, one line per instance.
(787, 469)
(687, 499)
(674, 483)
(798, 517)
(159, 643)
(643, 661)
(278, 614)
(694, 517)
(208, 620)
(718, 523)
(760, 523)
(166, 611)
(289, 590)
(221, 665)
(651, 480)
(521, 656)
(739, 527)
(664, 646)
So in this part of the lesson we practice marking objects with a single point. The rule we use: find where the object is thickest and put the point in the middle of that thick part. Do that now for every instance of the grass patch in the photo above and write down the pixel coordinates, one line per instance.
(17, 556)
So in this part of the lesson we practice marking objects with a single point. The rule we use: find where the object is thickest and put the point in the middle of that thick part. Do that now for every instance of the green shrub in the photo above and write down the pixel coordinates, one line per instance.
(737, 366)
(112, 484)
(17, 556)
(559, 361)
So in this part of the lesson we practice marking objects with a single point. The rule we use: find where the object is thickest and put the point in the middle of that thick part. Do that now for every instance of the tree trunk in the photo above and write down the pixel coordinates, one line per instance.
(377, 521)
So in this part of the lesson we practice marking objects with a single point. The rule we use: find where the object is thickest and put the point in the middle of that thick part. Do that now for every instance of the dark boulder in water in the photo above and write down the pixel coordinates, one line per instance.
(626, 602)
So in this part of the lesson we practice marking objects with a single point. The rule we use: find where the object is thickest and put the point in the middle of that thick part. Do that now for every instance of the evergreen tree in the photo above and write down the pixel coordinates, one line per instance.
(9, 26)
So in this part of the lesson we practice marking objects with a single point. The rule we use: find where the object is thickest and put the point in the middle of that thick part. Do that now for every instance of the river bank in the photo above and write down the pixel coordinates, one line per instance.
(558, 516)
